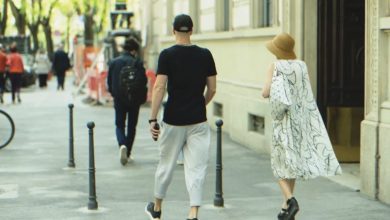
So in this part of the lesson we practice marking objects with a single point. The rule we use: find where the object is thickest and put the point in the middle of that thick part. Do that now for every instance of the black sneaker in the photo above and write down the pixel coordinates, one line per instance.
(149, 210)
(293, 208)
(192, 219)
(282, 214)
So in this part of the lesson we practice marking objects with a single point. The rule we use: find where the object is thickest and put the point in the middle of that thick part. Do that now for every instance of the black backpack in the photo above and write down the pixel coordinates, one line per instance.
(132, 84)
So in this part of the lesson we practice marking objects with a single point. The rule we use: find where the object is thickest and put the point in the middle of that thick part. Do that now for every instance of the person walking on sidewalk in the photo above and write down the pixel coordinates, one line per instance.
(187, 69)
(16, 69)
(125, 107)
(42, 67)
(61, 64)
(301, 148)
(3, 65)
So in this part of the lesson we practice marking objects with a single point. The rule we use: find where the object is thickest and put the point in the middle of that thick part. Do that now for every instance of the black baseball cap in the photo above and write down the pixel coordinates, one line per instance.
(182, 23)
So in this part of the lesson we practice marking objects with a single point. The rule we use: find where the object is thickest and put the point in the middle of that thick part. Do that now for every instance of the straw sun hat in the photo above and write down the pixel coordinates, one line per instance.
(282, 46)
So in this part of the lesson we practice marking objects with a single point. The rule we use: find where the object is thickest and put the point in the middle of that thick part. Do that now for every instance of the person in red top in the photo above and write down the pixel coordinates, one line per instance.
(16, 68)
(3, 64)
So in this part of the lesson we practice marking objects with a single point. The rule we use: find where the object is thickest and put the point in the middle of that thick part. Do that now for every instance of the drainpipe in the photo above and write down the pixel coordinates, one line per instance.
(377, 158)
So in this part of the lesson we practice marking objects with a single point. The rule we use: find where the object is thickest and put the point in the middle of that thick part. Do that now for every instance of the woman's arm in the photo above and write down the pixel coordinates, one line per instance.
(268, 81)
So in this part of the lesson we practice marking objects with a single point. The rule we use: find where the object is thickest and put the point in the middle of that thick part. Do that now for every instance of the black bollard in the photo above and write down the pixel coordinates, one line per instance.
(92, 204)
(218, 200)
(71, 140)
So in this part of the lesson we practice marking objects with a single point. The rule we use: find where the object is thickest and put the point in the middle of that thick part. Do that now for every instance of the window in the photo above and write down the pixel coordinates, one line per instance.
(256, 124)
(207, 15)
(218, 109)
(264, 13)
(181, 7)
(223, 15)
(267, 13)
(240, 14)
(164, 16)
(388, 8)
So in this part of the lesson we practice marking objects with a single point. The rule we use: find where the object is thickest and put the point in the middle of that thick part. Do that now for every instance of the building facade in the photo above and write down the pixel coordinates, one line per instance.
(345, 43)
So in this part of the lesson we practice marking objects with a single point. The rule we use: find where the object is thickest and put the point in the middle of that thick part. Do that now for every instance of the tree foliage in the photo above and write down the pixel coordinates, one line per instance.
(34, 20)
(45, 22)
(36, 14)
(91, 12)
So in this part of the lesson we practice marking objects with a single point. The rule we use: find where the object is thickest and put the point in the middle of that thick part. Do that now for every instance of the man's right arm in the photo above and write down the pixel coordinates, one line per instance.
(158, 94)
(211, 83)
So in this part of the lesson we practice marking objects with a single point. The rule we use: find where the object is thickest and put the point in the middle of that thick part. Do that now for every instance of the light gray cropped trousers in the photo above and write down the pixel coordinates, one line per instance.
(194, 140)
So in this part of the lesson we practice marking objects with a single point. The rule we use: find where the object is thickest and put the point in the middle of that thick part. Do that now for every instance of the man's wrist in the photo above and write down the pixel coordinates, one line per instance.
(152, 120)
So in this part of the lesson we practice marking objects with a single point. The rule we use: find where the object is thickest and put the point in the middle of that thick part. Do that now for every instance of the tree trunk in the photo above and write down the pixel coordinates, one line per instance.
(45, 22)
(88, 29)
(21, 26)
(49, 40)
(20, 18)
(4, 16)
(34, 34)
(67, 33)
(34, 23)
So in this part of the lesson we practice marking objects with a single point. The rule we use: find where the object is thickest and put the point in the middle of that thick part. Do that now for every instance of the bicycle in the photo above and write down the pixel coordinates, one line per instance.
(7, 129)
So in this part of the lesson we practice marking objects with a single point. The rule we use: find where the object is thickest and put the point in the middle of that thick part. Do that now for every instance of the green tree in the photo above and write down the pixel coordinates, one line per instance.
(67, 10)
(3, 17)
(45, 22)
(33, 21)
(91, 12)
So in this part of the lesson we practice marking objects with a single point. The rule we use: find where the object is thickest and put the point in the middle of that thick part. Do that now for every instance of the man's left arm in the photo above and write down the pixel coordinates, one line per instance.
(211, 88)
(109, 77)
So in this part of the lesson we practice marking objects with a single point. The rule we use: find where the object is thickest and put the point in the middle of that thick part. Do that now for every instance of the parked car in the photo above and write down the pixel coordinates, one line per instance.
(29, 77)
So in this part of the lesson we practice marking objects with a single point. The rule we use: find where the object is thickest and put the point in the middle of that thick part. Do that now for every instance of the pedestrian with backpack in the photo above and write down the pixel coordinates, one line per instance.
(127, 84)
(190, 73)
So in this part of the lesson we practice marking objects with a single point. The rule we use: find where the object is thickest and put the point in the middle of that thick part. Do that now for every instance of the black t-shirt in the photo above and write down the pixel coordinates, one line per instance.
(187, 68)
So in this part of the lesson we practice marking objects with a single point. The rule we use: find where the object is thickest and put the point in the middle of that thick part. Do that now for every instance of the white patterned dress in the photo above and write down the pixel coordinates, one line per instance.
(301, 148)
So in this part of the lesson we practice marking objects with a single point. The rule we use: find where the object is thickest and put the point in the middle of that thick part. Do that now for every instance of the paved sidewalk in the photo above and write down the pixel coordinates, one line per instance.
(35, 183)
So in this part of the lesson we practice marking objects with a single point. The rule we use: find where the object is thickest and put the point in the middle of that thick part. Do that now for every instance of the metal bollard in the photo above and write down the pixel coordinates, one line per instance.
(71, 139)
(218, 200)
(92, 204)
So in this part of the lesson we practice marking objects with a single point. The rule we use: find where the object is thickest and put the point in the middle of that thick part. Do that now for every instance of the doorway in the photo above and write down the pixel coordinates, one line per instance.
(340, 85)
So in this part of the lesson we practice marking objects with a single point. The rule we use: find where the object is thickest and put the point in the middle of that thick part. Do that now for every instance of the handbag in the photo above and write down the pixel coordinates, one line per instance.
(280, 96)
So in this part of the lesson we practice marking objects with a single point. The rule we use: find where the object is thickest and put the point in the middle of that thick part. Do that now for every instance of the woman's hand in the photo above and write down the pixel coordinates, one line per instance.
(268, 81)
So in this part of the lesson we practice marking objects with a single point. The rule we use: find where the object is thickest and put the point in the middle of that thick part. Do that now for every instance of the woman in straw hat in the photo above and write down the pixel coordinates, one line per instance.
(301, 148)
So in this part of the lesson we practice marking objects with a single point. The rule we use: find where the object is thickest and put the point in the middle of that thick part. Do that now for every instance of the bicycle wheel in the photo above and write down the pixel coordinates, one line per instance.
(7, 129)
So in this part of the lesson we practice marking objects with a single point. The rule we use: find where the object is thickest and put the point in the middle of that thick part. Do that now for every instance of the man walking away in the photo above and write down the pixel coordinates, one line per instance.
(127, 84)
(3, 64)
(16, 69)
(188, 70)
(61, 64)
